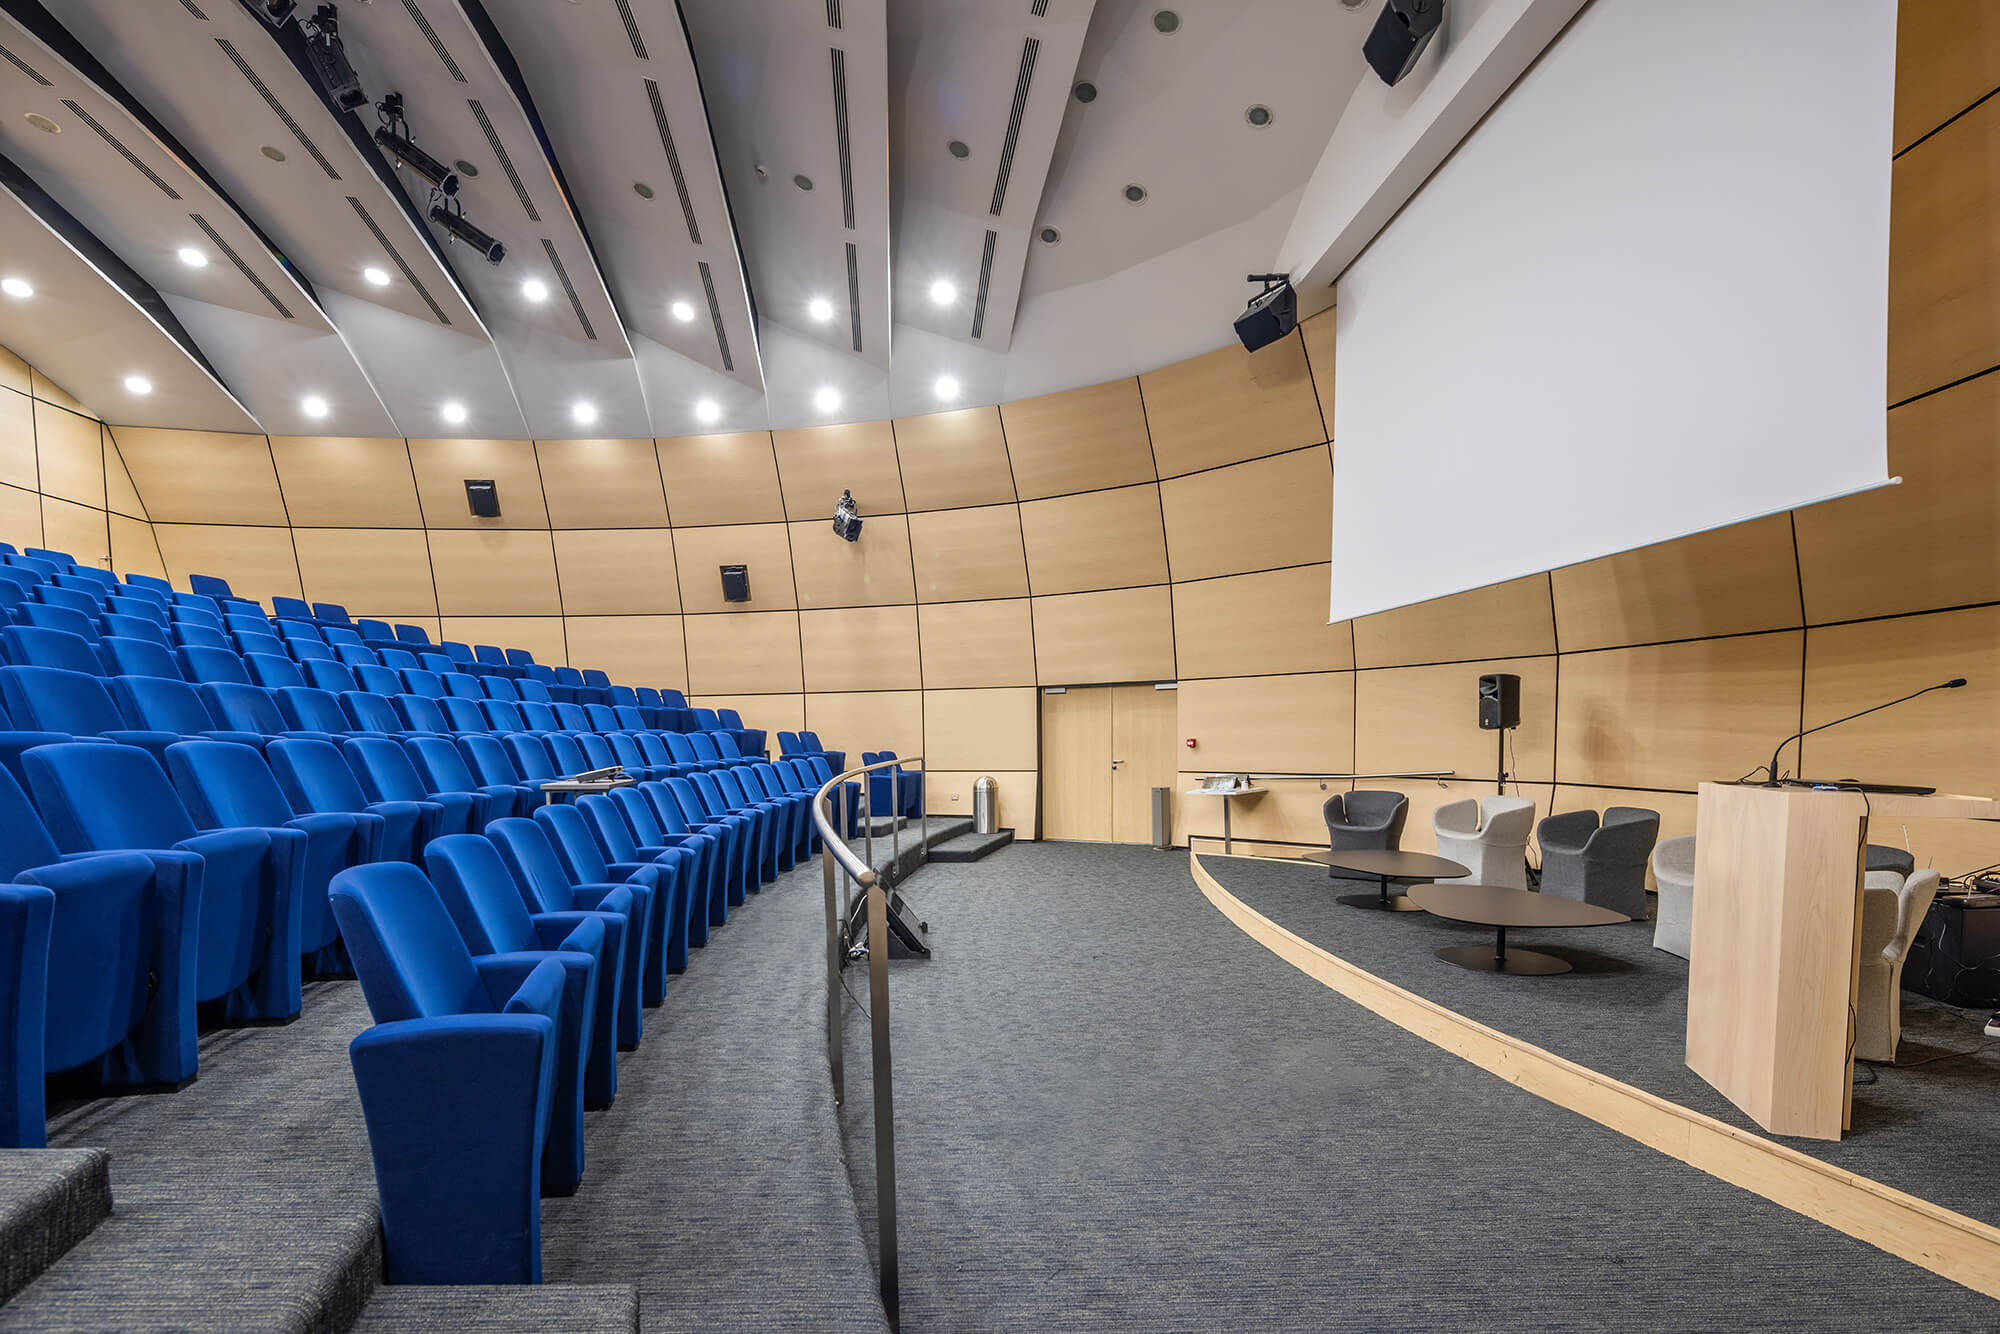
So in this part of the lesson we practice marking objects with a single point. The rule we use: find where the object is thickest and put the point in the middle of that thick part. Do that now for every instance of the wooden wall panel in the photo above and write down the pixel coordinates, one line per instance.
(961, 555)
(721, 479)
(337, 482)
(1510, 620)
(1944, 257)
(133, 550)
(1725, 581)
(1101, 539)
(257, 562)
(14, 373)
(1261, 515)
(974, 729)
(949, 793)
(634, 650)
(871, 720)
(443, 467)
(977, 643)
(539, 635)
(17, 441)
(700, 554)
(1675, 715)
(120, 495)
(773, 713)
(20, 516)
(1926, 543)
(860, 648)
(71, 454)
(1092, 638)
(1269, 724)
(1427, 718)
(77, 529)
(614, 571)
(1079, 440)
(494, 572)
(49, 391)
(1258, 624)
(875, 571)
(601, 483)
(203, 476)
(950, 460)
(1319, 334)
(1230, 405)
(385, 570)
(1947, 58)
(816, 463)
(747, 652)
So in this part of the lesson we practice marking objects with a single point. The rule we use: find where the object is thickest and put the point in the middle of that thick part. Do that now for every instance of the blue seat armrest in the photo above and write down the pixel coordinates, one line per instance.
(605, 897)
(570, 931)
(516, 981)
(257, 739)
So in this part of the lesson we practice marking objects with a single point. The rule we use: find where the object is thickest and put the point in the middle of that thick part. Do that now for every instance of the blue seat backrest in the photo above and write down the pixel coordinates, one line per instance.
(504, 715)
(237, 622)
(309, 710)
(672, 699)
(79, 575)
(379, 680)
(210, 585)
(436, 663)
(649, 698)
(249, 643)
(487, 653)
(59, 558)
(412, 962)
(152, 581)
(461, 714)
(272, 671)
(384, 768)
(370, 712)
(331, 611)
(28, 844)
(328, 675)
(337, 635)
(373, 630)
(499, 687)
(132, 627)
(213, 664)
(519, 657)
(413, 634)
(310, 650)
(161, 704)
(531, 689)
(624, 696)
(144, 608)
(396, 657)
(420, 713)
(529, 754)
(138, 657)
(706, 720)
(55, 595)
(628, 717)
(488, 758)
(227, 785)
(357, 655)
(463, 686)
(417, 681)
(596, 679)
(201, 636)
(41, 569)
(457, 652)
(569, 676)
(242, 708)
(315, 775)
(52, 617)
(95, 794)
(201, 616)
(571, 717)
(289, 630)
(602, 719)
(542, 673)
(291, 609)
(536, 716)
(50, 699)
(34, 646)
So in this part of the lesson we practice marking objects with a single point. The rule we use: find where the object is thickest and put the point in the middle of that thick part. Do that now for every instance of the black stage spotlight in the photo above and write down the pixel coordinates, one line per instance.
(1402, 30)
(277, 12)
(846, 522)
(394, 137)
(1272, 313)
(329, 60)
(451, 217)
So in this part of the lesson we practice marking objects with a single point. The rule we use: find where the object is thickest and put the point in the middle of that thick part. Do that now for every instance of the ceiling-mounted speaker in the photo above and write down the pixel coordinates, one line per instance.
(1402, 30)
(736, 583)
(483, 497)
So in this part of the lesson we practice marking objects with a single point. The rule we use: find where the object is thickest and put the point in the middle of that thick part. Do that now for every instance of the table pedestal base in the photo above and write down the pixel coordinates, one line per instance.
(1500, 959)
(1395, 903)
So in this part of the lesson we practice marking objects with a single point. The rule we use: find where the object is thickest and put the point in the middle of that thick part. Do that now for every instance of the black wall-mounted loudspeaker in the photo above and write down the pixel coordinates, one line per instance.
(483, 496)
(736, 583)
(1402, 30)
(1499, 701)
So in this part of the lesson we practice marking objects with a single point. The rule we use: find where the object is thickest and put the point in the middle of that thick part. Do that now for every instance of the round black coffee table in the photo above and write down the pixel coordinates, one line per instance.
(1499, 907)
(1384, 866)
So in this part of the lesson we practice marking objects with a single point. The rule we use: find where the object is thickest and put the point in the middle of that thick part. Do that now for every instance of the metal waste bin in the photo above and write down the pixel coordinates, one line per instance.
(1163, 817)
(985, 806)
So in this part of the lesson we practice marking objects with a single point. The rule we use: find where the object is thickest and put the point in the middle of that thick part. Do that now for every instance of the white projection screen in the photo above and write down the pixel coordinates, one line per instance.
(1647, 296)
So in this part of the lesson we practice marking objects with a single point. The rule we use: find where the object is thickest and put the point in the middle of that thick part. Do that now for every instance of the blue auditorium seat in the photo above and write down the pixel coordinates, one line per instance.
(417, 681)
(290, 609)
(310, 650)
(499, 687)
(298, 632)
(247, 708)
(126, 604)
(330, 613)
(307, 710)
(150, 581)
(677, 799)
(894, 791)
(170, 705)
(271, 671)
(383, 681)
(252, 643)
(79, 575)
(421, 716)
(60, 559)
(396, 657)
(836, 759)
(488, 654)
(85, 604)
(463, 715)
(464, 687)
(681, 892)
(112, 625)
(49, 699)
(315, 777)
(33, 646)
(443, 769)
(98, 797)
(373, 631)
(337, 635)
(519, 657)
(50, 617)
(369, 712)
(204, 663)
(386, 773)
(209, 586)
(328, 675)
(189, 635)
(750, 740)
(457, 652)
(412, 634)
(457, 1082)
(710, 905)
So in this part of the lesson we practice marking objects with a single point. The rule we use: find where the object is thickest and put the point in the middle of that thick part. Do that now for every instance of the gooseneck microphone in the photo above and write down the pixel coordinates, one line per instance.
(1774, 781)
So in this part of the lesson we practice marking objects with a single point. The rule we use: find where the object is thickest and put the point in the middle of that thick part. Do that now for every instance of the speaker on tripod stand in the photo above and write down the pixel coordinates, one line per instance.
(1500, 709)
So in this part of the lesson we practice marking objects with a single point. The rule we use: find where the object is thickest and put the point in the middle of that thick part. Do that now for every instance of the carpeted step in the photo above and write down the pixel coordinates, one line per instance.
(50, 1199)
(552, 1308)
(971, 847)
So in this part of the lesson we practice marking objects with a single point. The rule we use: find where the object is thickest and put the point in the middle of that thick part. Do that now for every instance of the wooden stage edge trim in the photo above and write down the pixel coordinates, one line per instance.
(1959, 1248)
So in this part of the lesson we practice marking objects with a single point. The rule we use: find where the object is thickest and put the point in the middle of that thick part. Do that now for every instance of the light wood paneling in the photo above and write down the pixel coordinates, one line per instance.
(77, 529)
(203, 476)
(1144, 751)
(1926, 543)
(1230, 405)
(980, 730)
(1079, 440)
(17, 441)
(1127, 635)
(14, 374)
(870, 721)
(444, 466)
(700, 554)
(1269, 724)
(1945, 740)
(949, 793)
(133, 550)
(1722, 582)
(48, 391)
(494, 572)
(71, 451)
(748, 652)
(1258, 624)
(539, 635)
(950, 460)
(721, 479)
(632, 650)
(773, 713)
(339, 482)
(120, 495)
(1299, 815)
(860, 648)
(1253, 516)
(257, 562)
(875, 571)
(1283, 813)
(1944, 257)
(387, 570)
(1674, 715)
(1319, 334)
(1510, 620)
(977, 643)
(611, 571)
(1101, 539)
(601, 483)
(1947, 58)
(1427, 718)
(20, 516)
(961, 555)
(816, 463)
(1076, 765)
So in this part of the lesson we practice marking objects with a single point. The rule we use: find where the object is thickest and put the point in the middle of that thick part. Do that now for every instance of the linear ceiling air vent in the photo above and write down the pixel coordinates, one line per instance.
(1040, 9)
(430, 35)
(402, 265)
(569, 288)
(215, 239)
(854, 293)
(24, 67)
(1029, 49)
(715, 314)
(833, 13)
(840, 137)
(501, 156)
(191, 7)
(673, 159)
(118, 147)
(632, 29)
(985, 284)
(277, 107)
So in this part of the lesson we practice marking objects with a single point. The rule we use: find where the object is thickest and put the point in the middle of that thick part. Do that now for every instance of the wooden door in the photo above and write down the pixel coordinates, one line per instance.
(1143, 723)
(1076, 765)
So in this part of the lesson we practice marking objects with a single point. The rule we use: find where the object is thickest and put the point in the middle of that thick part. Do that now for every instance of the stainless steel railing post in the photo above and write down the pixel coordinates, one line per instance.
(924, 812)
(885, 1095)
(835, 949)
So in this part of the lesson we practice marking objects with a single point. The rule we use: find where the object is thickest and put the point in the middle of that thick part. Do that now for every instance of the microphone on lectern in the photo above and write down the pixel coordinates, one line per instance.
(1774, 781)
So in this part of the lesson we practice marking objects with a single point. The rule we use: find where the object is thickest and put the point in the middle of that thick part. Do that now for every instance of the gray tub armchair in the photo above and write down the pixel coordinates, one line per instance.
(1602, 863)
(1364, 820)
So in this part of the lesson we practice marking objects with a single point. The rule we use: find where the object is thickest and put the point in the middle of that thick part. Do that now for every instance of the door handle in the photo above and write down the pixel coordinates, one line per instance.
(1116, 763)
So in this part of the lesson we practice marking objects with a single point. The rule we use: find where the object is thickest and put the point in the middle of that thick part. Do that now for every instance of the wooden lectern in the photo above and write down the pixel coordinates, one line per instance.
(1775, 960)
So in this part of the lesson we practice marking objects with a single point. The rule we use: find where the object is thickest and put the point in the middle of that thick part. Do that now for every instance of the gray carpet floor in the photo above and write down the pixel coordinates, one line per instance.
(1116, 1112)
(1921, 1127)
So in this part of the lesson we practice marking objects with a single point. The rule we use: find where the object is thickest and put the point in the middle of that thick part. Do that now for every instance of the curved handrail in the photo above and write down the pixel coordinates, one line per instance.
(863, 873)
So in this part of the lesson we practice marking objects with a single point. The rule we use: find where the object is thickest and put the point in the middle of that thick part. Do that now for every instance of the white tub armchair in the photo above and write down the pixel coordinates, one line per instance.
(1893, 906)
(1673, 873)
(1488, 836)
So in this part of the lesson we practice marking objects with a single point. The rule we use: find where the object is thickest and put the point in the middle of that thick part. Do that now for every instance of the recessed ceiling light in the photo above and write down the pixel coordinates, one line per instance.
(641, 189)
(943, 292)
(138, 384)
(18, 288)
(1135, 194)
(273, 152)
(453, 412)
(584, 413)
(820, 309)
(1049, 236)
(1085, 91)
(958, 148)
(707, 410)
(535, 290)
(376, 277)
(826, 398)
(682, 311)
(1166, 21)
(193, 258)
(1258, 115)
(313, 406)
(43, 123)
(946, 387)
(466, 169)
(803, 181)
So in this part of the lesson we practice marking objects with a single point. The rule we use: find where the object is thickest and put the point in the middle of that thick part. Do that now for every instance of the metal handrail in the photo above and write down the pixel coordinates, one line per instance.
(1320, 778)
(836, 853)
